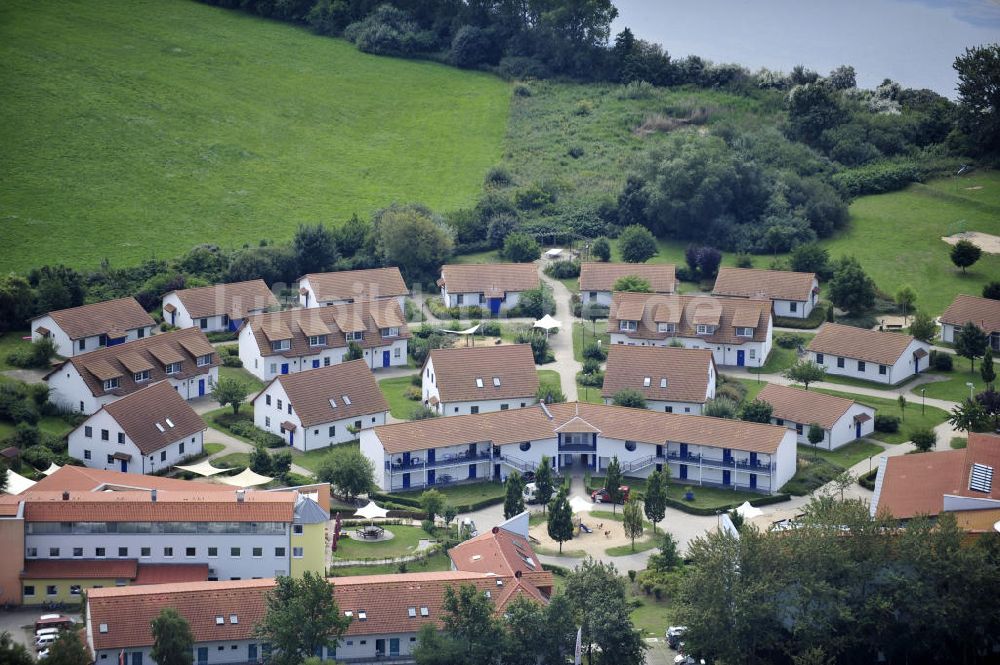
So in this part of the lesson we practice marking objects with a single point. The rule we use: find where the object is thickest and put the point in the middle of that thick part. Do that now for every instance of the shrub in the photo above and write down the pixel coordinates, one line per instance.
(490, 329)
(744, 260)
(231, 361)
(594, 351)
(601, 249)
(520, 67)
(499, 177)
(563, 269)
(535, 197)
(576, 152)
(583, 107)
(591, 365)
(522, 90)
(876, 178)
(412, 392)
(787, 340)
(941, 361)
(636, 90)
(595, 380)
(886, 423)
(521, 248)
(36, 355)
(389, 31)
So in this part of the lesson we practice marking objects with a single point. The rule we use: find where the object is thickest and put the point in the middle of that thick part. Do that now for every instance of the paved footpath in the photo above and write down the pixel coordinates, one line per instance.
(562, 342)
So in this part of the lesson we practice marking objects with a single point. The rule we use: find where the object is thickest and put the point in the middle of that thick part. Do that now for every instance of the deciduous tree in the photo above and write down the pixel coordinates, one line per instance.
(986, 369)
(637, 244)
(979, 97)
(301, 617)
(68, 649)
(654, 504)
(513, 502)
(521, 248)
(970, 342)
(756, 411)
(348, 471)
(315, 248)
(13, 653)
(905, 297)
(231, 392)
(598, 597)
(805, 372)
(965, 253)
(922, 327)
(851, 288)
(601, 249)
(630, 397)
(923, 439)
(544, 486)
(173, 642)
(991, 290)
(613, 481)
(816, 434)
(560, 521)
(632, 521)
(411, 238)
(632, 283)
(433, 502)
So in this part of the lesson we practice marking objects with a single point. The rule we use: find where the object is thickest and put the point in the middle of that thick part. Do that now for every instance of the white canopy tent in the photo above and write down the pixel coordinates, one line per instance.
(371, 511)
(202, 469)
(53, 467)
(17, 484)
(749, 512)
(547, 323)
(246, 478)
(468, 331)
(580, 505)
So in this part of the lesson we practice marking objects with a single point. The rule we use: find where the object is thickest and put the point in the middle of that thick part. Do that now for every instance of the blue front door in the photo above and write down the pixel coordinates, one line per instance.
(684, 471)
(430, 477)
(406, 480)
(284, 368)
(753, 459)
(316, 363)
(496, 472)
(385, 358)
(173, 318)
(136, 658)
(203, 653)
(472, 471)
(740, 360)
(430, 456)
(727, 455)
(857, 430)
(753, 481)
(124, 465)
(684, 450)
(726, 477)
(201, 387)
(495, 305)
(251, 653)
(291, 438)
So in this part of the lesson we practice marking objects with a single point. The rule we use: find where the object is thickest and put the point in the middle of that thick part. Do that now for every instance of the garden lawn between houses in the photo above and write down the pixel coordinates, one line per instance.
(394, 391)
(9, 343)
(201, 125)
(245, 377)
(436, 562)
(910, 420)
(403, 543)
(953, 387)
(549, 377)
(460, 494)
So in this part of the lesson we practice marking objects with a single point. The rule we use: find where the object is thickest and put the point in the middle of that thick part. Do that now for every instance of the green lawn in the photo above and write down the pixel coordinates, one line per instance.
(845, 456)
(953, 388)
(549, 377)
(404, 542)
(10, 342)
(781, 358)
(241, 374)
(647, 542)
(862, 383)
(811, 473)
(753, 386)
(911, 418)
(232, 461)
(464, 494)
(312, 459)
(212, 448)
(650, 616)
(958, 442)
(709, 497)
(399, 405)
(156, 125)
(583, 334)
(436, 562)
(588, 394)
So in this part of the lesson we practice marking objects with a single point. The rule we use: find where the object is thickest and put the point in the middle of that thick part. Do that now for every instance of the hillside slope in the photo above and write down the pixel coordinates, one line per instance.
(143, 127)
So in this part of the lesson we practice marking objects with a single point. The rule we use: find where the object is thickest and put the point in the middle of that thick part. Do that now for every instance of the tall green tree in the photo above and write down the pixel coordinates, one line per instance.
(260, 461)
(805, 372)
(965, 253)
(756, 411)
(13, 653)
(315, 248)
(173, 642)
(68, 649)
(816, 434)
(991, 290)
(354, 352)
(513, 502)
(655, 502)
(905, 297)
(601, 249)
(851, 288)
(411, 238)
(637, 244)
(348, 471)
(811, 258)
(632, 283)
(231, 392)
(923, 438)
(436, 648)
(632, 521)
(433, 503)
(560, 520)
(599, 600)
(969, 416)
(902, 406)
(986, 369)
(922, 327)
(629, 397)
(613, 481)
(470, 620)
(300, 618)
(521, 248)
(979, 97)
(970, 342)
(544, 485)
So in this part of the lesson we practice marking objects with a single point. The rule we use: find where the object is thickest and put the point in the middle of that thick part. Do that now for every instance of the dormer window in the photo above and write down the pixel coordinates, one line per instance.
(663, 382)
(390, 332)
(744, 332)
(479, 382)
(110, 384)
(355, 336)
(704, 329)
(139, 377)
(317, 340)
(173, 368)
(666, 328)
(424, 612)
(628, 326)
(645, 382)
(205, 360)
(496, 381)
(281, 345)
(347, 400)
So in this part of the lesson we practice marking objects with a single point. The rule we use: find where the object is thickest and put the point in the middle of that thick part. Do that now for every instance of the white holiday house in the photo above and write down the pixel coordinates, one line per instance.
(983, 312)
(842, 420)
(794, 294)
(492, 286)
(218, 308)
(321, 407)
(873, 355)
(347, 286)
(671, 379)
(90, 327)
(597, 280)
(479, 379)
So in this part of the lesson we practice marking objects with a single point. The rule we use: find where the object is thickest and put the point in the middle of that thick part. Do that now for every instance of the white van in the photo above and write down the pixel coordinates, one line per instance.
(46, 631)
(529, 494)
(45, 641)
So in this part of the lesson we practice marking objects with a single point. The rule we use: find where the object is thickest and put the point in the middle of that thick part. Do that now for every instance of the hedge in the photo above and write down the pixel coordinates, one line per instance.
(868, 480)
(692, 510)
(415, 503)
(816, 318)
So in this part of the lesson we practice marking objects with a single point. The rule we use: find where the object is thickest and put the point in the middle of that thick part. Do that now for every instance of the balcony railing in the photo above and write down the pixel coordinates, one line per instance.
(720, 463)
(456, 459)
(578, 447)
(518, 463)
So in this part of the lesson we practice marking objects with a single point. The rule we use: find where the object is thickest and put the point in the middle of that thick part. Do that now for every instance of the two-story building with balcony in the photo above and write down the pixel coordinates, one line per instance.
(88, 328)
(736, 330)
(699, 450)
(184, 358)
(347, 286)
(479, 379)
(301, 339)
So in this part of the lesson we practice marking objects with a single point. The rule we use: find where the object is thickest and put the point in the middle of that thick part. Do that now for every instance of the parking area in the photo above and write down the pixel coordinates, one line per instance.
(20, 623)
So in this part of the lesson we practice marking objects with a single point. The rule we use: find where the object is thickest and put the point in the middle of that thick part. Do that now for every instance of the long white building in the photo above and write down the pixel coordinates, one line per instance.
(842, 420)
(218, 308)
(699, 450)
(347, 286)
(873, 355)
(91, 327)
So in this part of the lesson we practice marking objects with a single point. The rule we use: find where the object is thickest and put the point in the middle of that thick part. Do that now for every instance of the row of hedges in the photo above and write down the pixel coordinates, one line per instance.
(415, 503)
(242, 425)
(693, 510)
(436, 305)
(868, 480)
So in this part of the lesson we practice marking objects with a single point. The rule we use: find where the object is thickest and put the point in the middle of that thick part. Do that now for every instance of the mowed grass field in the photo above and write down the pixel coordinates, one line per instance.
(140, 128)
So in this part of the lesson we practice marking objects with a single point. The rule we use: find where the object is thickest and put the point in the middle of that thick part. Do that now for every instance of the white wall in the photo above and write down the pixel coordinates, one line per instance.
(484, 405)
(267, 367)
(600, 298)
(69, 391)
(724, 354)
(308, 300)
(180, 318)
(948, 332)
(68, 348)
(842, 432)
(901, 370)
(371, 448)
(226, 566)
(99, 449)
(511, 298)
(661, 406)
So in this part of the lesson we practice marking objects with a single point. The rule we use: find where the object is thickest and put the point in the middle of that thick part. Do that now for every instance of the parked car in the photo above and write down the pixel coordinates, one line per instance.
(674, 635)
(46, 631)
(45, 641)
(530, 493)
(602, 495)
(53, 621)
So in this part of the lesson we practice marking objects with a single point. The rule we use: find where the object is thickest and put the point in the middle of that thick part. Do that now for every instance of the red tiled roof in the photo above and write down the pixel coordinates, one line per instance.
(497, 551)
(84, 479)
(234, 299)
(357, 285)
(310, 393)
(170, 506)
(66, 569)
(685, 370)
(101, 318)
(756, 283)
(456, 371)
(140, 413)
(686, 312)
(874, 346)
(602, 276)
(984, 312)
(493, 279)
(804, 406)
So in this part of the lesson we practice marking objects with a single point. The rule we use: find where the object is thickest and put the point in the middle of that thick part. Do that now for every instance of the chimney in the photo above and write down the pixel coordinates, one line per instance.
(152, 495)
(240, 495)
(65, 496)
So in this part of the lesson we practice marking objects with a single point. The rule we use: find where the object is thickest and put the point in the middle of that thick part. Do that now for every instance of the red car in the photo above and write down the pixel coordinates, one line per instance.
(602, 496)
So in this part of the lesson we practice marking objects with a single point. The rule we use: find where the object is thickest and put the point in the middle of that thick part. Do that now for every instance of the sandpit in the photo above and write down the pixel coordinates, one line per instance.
(594, 543)
(985, 241)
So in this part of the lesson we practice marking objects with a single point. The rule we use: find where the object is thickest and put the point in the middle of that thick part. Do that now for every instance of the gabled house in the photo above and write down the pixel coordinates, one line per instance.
(479, 379)
(672, 379)
(842, 420)
(882, 357)
(736, 330)
(984, 312)
(942, 481)
(184, 358)
(794, 294)
(296, 340)
(144, 432)
(597, 280)
(492, 286)
(218, 308)
(576, 436)
(90, 327)
(321, 407)
(347, 286)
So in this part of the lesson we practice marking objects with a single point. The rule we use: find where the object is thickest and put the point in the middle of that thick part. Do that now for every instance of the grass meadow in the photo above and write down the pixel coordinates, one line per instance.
(140, 128)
